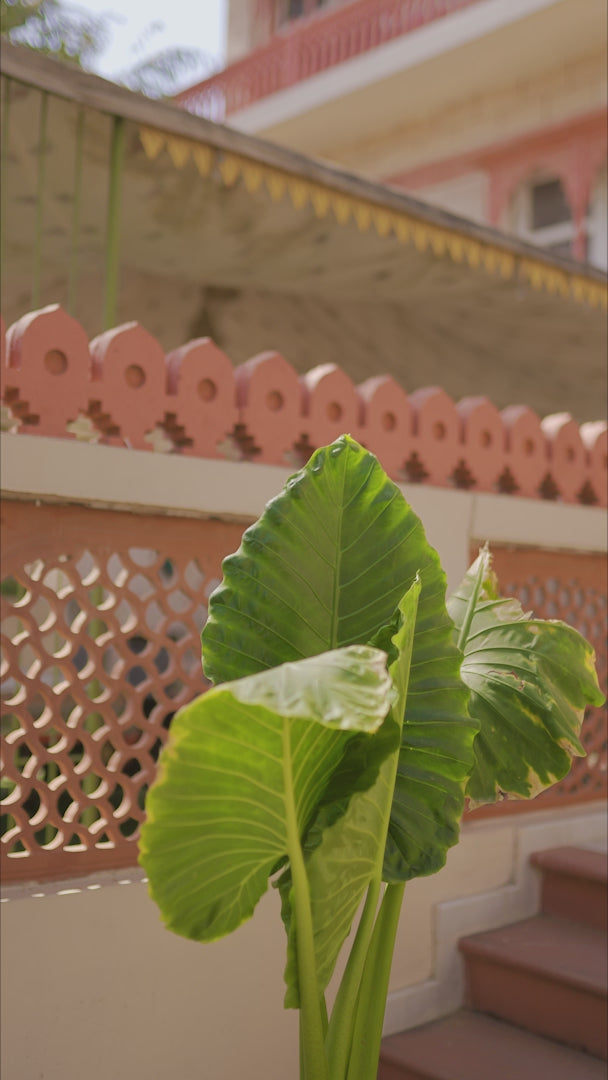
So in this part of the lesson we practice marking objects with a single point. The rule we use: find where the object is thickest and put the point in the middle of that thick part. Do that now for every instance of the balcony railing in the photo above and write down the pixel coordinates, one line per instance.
(308, 47)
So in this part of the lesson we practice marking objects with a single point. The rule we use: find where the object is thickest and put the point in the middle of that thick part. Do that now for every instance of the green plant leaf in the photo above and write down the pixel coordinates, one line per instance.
(530, 682)
(343, 847)
(326, 566)
(239, 761)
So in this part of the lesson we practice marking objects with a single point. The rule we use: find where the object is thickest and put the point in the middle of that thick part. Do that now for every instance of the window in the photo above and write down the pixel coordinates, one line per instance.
(548, 205)
(541, 215)
(288, 10)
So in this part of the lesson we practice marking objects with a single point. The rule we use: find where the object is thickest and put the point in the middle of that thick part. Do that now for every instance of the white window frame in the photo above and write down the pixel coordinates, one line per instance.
(520, 214)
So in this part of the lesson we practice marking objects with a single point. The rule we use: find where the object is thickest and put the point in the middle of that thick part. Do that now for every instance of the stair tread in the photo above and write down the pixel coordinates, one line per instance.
(574, 862)
(473, 1046)
(559, 949)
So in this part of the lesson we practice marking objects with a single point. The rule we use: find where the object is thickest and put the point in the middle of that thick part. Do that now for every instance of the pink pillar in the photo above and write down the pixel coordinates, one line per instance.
(577, 184)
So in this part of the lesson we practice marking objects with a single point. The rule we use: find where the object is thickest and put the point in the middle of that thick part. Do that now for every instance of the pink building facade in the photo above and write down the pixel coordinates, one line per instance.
(490, 109)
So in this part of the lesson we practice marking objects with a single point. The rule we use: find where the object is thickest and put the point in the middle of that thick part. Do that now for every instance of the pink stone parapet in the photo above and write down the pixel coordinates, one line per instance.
(121, 389)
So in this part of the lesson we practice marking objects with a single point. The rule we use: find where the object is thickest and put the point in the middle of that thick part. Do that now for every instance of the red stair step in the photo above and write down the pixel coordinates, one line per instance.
(545, 974)
(574, 884)
(469, 1046)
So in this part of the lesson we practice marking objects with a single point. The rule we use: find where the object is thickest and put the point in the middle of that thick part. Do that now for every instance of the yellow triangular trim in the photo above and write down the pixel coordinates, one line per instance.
(441, 241)
(203, 159)
(299, 192)
(363, 215)
(253, 175)
(320, 200)
(152, 142)
(276, 182)
(342, 208)
(179, 151)
(230, 169)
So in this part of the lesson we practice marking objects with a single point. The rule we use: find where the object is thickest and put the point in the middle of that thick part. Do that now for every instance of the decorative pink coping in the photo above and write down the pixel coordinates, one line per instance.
(120, 389)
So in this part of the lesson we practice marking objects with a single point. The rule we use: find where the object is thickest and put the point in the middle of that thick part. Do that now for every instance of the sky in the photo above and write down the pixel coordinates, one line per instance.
(142, 28)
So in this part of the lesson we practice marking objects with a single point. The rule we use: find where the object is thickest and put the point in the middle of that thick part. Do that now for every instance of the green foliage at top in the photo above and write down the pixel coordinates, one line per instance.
(64, 31)
(70, 33)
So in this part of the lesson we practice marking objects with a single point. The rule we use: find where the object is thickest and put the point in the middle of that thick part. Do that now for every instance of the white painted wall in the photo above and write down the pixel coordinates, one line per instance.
(466, 195)
(95, 988)
(452, 31)
(598, 222)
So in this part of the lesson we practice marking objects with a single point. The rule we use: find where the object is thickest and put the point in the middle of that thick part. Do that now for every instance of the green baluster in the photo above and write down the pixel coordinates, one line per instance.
(78, 159)
(44, 102)
(4, 165)
(113, 223)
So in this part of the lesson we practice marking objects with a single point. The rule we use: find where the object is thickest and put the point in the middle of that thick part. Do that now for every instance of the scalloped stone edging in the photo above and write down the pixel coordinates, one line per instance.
(121, 389)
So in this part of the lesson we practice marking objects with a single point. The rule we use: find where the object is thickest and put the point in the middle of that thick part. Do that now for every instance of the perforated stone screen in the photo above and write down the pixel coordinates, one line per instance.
(102, 614)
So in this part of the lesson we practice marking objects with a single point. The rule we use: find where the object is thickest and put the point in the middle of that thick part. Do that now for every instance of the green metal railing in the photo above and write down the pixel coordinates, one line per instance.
(76, 205)
(113, 223)
(40, 196)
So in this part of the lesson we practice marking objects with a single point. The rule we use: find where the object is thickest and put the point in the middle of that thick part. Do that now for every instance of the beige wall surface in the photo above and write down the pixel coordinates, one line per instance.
(94, 987)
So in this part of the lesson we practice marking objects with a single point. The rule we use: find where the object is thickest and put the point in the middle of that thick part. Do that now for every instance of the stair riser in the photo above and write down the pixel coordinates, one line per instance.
(388, 1071)
(575, 898)
(566, 1013)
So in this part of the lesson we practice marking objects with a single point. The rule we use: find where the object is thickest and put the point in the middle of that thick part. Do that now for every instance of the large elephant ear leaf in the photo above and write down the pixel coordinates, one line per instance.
(324, 566)
(327, 565)
(243, 771)
(530, 682)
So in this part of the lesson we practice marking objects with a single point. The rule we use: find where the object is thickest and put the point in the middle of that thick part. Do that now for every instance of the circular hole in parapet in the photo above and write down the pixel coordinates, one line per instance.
(135, 376)
(528, 447)
(486, 438)
(55, 362)
(207, 389)
(389, 421)
(439, 430)
(274, 400)
(334, 410)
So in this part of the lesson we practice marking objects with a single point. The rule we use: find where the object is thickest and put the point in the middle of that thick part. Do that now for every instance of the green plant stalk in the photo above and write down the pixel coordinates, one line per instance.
(77, 201)
(110, 300)
(471, 607)
(312, 1040)
(42, 149)
(367, 1034)
(341, 1024)
(343, 1020)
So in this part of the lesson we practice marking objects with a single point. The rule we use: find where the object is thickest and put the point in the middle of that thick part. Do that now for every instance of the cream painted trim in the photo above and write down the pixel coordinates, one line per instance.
(39, 890)
(507, 519)
(35, 467)
(408, 51)
(60, 470)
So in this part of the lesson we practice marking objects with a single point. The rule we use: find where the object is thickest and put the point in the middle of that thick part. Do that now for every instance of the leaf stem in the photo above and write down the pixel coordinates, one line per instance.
(340, 1032)
(312, 1043)
(347, 1009)
(471, 606)
(367, 1033)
